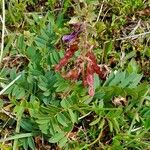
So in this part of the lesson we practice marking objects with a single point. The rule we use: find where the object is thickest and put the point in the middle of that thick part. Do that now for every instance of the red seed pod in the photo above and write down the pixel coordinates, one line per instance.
(101, 72)
(97, 70)
(73, 74)
(92, 57)
(62, 63)
(57, 67)
(89, 72)
(69, 53)
(73, 47)
(71, 50)
(90, 78)
(84, 81)
(91, 91)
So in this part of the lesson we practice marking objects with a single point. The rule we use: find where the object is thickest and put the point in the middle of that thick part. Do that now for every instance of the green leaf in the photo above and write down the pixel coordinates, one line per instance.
(9, 43)
(55, 125)
(147, 122)
(36, 18)
(118, 77)
(19, 109)
(62, 87)
(110, 78)
(63, 142)
(18, 92)
(59, 20)
(132, 66)
(147, 52)
(147, 97)
(44, 128)
(31, 52)
(130, 55)
(40, 42)
(96, 81)
(26, 124)
(43, 121)
(44, 34)
(21, 93)
(102, 123)
(21, 44)
(115, 124)
(47, 93)
(61, 54)
(31, 143)
(73, 116)
(137, 117)
(135, 81)
(25, 143)
(95, 121)
(108, 47)
(57, 137)
(67, 103)
(55, 56)
(52, 60)
(43, 86)
(110, 125)
(62, 119)
(100, 26)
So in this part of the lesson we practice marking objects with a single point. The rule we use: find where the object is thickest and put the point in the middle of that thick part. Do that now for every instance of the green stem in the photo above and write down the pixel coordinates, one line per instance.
(19, 114)
(3, 31)
(17, 136)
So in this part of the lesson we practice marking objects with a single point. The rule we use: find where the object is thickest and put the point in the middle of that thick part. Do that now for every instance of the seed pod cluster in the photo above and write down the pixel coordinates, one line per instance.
(85, 65)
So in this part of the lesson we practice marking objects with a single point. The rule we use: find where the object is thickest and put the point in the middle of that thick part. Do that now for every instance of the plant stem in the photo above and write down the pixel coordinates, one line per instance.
(3, 30)
(19, 115)
(100, 11)
(97, 139)
(132, 36)
(18, 136)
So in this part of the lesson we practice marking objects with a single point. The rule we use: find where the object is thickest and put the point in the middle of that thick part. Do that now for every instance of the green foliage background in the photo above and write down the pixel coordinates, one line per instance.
(45, 105)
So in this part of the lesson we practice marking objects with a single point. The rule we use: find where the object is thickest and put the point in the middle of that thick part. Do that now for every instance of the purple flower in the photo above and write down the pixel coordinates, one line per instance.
(70, 37)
